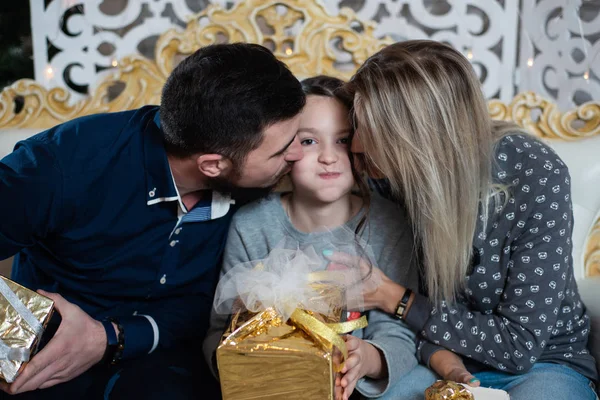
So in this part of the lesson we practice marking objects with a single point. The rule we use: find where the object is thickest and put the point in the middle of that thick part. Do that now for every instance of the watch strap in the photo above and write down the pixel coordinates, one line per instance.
(401, 308)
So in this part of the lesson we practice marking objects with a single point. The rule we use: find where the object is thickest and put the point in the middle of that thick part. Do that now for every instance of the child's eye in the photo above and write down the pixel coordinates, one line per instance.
(307, 142)
(344, 140)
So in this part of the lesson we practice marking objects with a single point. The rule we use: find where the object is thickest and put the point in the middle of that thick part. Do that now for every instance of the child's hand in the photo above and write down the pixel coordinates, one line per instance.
(451, 367)
(339, 390)
(363, 360)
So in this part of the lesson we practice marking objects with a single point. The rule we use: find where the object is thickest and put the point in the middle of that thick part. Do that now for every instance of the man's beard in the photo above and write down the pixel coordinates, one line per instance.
(241, 195)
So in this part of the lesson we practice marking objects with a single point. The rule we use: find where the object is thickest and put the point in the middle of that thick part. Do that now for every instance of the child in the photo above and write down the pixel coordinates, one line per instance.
(322, 200)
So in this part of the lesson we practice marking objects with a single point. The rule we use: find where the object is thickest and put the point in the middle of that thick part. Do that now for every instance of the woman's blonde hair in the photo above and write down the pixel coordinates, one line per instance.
(423, 121)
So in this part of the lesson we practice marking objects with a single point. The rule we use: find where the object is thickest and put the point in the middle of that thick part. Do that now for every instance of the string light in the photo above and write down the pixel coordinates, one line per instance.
(114, 62)
(586, 74)
(530, 62)
(288, 51)
(470, 54)
(49, 72)
(529, 40)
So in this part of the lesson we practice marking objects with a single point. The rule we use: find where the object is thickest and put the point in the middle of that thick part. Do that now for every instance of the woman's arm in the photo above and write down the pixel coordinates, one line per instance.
(514, 335)
(450, 366)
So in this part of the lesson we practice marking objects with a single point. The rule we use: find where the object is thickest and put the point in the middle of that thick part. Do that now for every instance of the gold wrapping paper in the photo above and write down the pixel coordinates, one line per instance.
(265, 358)
(448, 390)
(14, 331)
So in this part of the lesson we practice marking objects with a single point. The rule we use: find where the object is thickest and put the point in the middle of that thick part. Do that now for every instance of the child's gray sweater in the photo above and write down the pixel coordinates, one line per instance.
(259, 227)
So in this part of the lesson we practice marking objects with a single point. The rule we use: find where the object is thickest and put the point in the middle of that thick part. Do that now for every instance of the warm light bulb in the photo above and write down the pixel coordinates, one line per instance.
(114, 62)
(530, 62)
(49, 72)
(288, 51)
(586, 75)
(470, 54)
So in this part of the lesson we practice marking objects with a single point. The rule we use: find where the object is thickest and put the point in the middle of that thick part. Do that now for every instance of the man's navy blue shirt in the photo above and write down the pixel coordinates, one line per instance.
(91, 211)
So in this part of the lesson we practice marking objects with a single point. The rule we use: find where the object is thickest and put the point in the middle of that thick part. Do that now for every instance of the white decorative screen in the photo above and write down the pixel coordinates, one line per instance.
(549, 46)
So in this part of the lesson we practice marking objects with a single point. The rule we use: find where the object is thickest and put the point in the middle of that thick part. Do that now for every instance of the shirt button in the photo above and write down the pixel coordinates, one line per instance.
(152, 193)
(163, 280)
(173, 243)
(177, 231)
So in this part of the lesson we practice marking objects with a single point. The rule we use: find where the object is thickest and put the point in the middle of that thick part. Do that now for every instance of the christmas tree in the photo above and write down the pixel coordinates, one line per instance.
(16, 59)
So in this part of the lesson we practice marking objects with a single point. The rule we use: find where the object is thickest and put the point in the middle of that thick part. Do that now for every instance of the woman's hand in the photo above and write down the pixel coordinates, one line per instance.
(379, 291)
(451, 367)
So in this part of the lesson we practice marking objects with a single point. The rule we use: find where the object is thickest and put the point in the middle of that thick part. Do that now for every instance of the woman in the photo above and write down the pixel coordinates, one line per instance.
(491, 211)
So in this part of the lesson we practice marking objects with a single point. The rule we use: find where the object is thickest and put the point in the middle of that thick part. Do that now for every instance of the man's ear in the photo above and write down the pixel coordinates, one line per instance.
(213, 165)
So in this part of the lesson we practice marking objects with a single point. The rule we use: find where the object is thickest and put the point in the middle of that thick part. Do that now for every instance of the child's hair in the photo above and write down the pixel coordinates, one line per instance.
(329, 86)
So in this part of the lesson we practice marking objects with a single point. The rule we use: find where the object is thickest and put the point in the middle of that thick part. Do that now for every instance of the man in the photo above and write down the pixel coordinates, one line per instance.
(121, 219)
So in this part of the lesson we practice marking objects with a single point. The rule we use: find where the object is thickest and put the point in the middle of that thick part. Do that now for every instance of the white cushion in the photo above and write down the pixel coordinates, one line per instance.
(589, 288)
(10, 137)
(583, 159)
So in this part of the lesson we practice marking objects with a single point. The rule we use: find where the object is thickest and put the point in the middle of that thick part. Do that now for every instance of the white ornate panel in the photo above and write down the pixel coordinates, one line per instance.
(79, 27)
(483, 30)
(554, 57)
(495, 34)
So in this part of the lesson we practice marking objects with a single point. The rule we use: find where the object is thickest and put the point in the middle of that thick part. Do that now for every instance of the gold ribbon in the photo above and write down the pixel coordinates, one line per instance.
(349, 326)
(327, 276)
(328, 332)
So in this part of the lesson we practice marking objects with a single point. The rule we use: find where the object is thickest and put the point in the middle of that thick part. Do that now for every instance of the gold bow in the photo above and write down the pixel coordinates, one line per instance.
(330, 333)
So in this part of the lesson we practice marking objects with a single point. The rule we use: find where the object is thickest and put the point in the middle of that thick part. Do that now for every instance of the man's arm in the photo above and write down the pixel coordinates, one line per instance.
(31, 184)
(31, 189)
(166, 323)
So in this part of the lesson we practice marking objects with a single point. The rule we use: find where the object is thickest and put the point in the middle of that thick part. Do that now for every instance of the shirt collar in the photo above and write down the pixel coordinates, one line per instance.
(159, 181)
(160, 184)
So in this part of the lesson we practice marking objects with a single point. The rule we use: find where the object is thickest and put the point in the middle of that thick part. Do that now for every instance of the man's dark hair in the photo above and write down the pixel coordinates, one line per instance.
(221, 98)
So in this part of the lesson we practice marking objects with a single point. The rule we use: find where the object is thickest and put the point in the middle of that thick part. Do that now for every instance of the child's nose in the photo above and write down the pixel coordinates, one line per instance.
(328, 156)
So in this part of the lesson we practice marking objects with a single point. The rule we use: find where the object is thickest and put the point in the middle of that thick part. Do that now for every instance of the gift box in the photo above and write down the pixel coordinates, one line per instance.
(24, 315)
(263, 356)
(267, 358)
(284, 338)
(448, 390)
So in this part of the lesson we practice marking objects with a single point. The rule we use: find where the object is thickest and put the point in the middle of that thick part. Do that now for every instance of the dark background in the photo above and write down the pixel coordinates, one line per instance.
(16, 52)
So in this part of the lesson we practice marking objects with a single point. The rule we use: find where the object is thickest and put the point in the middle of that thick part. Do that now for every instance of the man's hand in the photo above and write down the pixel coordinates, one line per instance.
(363, 360)
(451, 367)
(79, 343)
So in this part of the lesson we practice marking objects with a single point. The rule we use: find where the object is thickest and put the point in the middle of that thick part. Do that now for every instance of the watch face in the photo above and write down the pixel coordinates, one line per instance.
(400, 310)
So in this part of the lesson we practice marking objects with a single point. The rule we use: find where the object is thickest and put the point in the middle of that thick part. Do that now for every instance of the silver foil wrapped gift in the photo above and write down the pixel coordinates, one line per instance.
(24, 314)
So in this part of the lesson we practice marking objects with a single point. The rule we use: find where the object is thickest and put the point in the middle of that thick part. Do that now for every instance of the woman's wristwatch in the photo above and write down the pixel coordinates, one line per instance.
(401, 308)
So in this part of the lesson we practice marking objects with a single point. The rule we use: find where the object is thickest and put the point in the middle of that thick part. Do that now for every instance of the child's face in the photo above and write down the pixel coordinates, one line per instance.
(324, 172)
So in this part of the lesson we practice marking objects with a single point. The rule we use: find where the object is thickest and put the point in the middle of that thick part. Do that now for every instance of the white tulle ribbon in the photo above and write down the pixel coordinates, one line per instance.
(285, 279)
